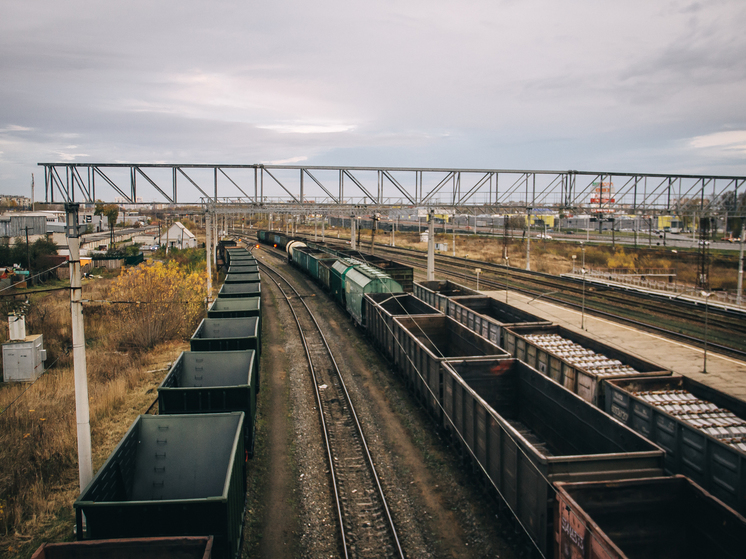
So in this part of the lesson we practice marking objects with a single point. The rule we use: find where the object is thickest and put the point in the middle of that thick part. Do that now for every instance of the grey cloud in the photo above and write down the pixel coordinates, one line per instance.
(433, 83)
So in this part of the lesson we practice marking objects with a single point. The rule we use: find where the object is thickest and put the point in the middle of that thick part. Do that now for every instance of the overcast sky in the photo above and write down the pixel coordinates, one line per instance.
(631, 85)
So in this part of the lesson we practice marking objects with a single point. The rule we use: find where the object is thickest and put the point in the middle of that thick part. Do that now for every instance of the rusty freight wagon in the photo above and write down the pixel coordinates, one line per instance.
(436, 293)
(524, 432)
(421, 343)
(577, 362)
(489, 317)
(702, 430)
(380, 310)
(658, 518)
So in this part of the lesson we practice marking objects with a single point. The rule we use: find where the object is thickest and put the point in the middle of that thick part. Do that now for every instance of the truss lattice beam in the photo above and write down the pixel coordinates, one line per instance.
(386, 187)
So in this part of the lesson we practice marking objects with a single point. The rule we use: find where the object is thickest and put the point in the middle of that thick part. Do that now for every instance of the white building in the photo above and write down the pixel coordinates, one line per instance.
(179, 237)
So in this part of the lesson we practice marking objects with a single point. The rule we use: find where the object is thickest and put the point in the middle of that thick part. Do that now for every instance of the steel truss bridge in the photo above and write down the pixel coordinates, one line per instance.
(304, 189)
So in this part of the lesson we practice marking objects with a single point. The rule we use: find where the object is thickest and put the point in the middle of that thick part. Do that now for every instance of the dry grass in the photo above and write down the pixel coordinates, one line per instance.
(556, 256)
(38, 440)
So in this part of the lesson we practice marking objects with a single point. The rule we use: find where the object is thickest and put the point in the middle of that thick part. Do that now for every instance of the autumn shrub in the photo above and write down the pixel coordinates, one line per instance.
(155, 302)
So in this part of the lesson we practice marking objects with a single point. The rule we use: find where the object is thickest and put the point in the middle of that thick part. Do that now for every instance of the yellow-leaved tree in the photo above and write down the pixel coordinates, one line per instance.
(156, 302)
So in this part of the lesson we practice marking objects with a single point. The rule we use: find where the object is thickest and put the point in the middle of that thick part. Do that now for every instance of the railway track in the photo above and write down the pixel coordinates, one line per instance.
(366, 526)
(675, 319)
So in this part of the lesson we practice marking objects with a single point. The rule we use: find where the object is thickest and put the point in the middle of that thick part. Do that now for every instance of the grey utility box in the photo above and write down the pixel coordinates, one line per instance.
(23, 359)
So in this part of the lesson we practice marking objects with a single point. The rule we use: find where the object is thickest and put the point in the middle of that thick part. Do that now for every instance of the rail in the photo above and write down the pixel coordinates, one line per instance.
(365, 532)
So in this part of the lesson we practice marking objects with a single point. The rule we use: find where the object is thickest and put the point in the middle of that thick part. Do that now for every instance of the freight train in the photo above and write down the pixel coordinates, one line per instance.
(175, 485)
(568, 434)
(542, 414)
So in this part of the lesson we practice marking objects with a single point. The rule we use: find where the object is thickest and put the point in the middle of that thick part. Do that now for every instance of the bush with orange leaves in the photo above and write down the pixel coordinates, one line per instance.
(157, 302)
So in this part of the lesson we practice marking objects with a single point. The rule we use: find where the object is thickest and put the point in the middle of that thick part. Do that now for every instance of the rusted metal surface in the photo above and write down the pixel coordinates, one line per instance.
(656, 518)
(436, 293)
(380, 310)
(525, 432)
(488, 316)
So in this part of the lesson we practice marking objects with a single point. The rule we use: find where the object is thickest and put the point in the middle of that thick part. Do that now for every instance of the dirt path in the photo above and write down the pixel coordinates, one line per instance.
(271, 529)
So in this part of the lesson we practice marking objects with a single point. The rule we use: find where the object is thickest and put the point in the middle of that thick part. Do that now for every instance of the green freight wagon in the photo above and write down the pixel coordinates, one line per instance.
(228, 334)
(235, 308)
(325, 274)
(251, 277)
(401, 273)
(337, 278)
(240, 290)
(364, 279)
(212, 382)
(171, 475)
(308, 260)
(243, 269)
(184, 547)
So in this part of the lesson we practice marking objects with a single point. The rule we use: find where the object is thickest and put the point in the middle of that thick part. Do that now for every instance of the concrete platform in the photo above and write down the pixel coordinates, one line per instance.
(723, 373)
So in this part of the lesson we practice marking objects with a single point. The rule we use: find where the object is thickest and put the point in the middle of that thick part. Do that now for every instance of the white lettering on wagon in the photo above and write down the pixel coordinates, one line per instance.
(619, 412)
(573, 535)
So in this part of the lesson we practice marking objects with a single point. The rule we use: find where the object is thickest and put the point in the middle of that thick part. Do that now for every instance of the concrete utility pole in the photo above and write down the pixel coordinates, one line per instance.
(431, 246)
(28, 255)
(215, 224)
(82, 415)
(353, 244)
(208, 256)
(323, 220)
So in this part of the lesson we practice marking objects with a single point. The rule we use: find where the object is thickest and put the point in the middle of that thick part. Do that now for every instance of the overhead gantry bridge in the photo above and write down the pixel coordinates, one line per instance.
(296, 188)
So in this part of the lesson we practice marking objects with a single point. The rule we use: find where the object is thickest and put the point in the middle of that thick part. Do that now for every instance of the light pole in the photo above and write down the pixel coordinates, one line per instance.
(676, 283)
(739, 291)
(507, 265)
(706, 295)
(582, 312)
(528, 240)
(453, 230)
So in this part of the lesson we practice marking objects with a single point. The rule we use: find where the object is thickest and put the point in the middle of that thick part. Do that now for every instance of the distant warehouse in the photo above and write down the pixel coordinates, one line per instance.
(14, 225)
